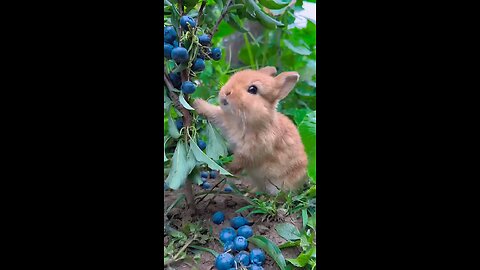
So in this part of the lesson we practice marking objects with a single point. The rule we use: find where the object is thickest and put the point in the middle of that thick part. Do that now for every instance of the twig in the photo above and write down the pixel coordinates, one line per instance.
(224, 179)
(224, 12)
(200, 11)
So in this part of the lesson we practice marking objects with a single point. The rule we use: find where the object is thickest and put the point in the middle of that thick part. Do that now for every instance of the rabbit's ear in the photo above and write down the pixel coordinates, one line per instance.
(285, 82)
(270, 71)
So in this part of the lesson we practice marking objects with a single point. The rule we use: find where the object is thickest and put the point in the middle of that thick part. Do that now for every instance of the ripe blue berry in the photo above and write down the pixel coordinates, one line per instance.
(188, 87)
(238, 222)
(216, 54)
(224, 261)
(204, 39)
(245, 231)
(228, 189)
(175, 44)
(204, 174)
(167, 50)
(175, 79)
(184, 20)
(227, 234)
(218, 217)
(198, 65)
(228, 246)
(255, 267)
(243, 258)
(169, 34)
(179, 123)
(180, 55)
(257, 256)
(202, 145)
(204, 179)
(213, 174)
(206, 185)
(240, 243)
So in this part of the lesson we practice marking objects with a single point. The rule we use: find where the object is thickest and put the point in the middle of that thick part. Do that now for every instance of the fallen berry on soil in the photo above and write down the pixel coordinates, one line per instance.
(224, 261)
(257, 256)
(227, 234)
(204, 174)
(218, 217)
(206, 185)
(213, 174)
(245, 231)
(228, 189)
(254, 267)
(240, 243)
(229, 246)
(238, 222)
(243, 258)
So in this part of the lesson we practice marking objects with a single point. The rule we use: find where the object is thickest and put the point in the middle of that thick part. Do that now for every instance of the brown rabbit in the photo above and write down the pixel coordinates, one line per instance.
(265, 143)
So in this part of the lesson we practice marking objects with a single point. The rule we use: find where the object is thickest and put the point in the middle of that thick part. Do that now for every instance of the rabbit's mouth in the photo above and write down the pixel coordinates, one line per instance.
(224, 101)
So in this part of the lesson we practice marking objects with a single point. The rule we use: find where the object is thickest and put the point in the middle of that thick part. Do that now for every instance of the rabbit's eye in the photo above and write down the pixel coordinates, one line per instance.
(252, 89)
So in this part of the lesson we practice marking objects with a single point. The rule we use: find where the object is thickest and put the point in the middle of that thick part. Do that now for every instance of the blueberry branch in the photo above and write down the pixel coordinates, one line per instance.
(200, 11)
(224, 12)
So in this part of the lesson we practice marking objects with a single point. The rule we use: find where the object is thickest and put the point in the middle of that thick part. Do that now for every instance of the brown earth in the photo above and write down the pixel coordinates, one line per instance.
(228, 204)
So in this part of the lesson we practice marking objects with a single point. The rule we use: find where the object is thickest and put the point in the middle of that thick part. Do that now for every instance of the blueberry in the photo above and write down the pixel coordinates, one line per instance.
(228, 189)
(169, 34)
(216, 54)
(204, 174)
(229, 246)
(227, 234)
(175, 44)
(240, 243)
(188, 87)
(255, 267)
(198, 65)
(204, 39)
(224, 261)
(245, 231)
(257, 256)
(204, 179)
(238, 222)
(180, 55)
(184, 20)
(243, 258)
(213, 174)
(175, 79)
(218, 217)
(167, 50)
(179, 123)
(202, 145)
(206, 185)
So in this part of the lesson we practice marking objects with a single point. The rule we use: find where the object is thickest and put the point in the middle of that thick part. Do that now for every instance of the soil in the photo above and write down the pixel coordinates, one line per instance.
(228, 204)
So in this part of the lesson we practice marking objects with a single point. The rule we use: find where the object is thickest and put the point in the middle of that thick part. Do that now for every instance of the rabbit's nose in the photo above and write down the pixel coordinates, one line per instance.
(224, 101)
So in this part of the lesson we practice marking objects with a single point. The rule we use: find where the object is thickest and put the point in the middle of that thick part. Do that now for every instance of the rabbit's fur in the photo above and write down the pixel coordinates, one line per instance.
(265, 143)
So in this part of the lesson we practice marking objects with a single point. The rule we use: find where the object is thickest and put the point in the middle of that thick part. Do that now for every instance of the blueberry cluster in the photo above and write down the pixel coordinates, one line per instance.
(235, 241)
(175, 50)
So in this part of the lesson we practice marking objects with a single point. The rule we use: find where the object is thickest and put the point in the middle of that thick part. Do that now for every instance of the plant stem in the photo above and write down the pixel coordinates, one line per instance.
(224, 12)
(204, 3)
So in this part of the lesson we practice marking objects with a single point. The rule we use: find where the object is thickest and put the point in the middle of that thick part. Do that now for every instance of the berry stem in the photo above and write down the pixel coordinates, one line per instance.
(224, 12)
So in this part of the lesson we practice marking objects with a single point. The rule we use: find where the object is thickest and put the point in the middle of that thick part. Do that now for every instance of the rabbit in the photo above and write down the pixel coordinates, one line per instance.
(265, 143)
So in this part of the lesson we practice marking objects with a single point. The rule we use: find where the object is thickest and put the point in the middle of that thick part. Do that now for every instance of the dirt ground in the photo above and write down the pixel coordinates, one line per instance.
(228, 204)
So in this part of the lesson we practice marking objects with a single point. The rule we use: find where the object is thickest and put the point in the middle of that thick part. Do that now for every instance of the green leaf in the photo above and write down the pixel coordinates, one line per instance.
(191, 160)
(172, 128)
(287, 231)
(312, 221)
(258, 211)
(274, 4)
(289, 244)
(308, 132)
(297, 49)
(211, 251)
(304, 218)
(270, 248)
(200, 156)
(216, 146)
(185, 104)
(178, 172)
(303, 258)
(165, 140)
(244, 208)
(235, 22)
